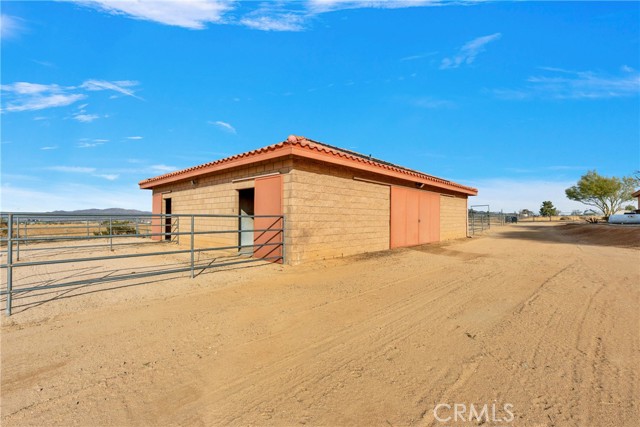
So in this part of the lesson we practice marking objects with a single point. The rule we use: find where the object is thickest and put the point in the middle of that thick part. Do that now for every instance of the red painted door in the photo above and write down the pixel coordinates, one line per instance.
(268, 201)
(398, 237)
(429, 221)
(415, 217)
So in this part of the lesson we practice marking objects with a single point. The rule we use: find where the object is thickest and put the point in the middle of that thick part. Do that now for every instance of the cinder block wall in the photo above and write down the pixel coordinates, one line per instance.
(329, 214)
(453, 217)
(216, 194)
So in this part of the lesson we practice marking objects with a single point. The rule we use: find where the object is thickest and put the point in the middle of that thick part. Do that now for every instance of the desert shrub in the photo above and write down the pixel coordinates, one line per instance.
(592, 220)
(117, 228)
(565, 218)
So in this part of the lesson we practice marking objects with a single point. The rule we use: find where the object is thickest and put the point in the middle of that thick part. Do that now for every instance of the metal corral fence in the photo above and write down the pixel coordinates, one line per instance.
(29, 240)
(481, 218)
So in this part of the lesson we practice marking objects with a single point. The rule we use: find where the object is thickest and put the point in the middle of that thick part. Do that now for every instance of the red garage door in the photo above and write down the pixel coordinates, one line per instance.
(415, 217)
(268, 201)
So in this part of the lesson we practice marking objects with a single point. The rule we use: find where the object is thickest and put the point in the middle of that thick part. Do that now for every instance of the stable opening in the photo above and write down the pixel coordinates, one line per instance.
(167, 219)
(246, 200)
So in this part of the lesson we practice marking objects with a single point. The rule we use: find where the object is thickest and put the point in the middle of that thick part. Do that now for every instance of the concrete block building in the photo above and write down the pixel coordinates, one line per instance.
(336, 202)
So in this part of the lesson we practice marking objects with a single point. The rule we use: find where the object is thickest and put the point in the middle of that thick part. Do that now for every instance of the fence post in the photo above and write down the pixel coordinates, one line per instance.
(9, 263)
(192, 237)
(110, 235)
(283, 244)
(178, 230)
(18, 238)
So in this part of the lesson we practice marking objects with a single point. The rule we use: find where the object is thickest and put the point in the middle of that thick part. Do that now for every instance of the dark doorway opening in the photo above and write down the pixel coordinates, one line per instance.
(246, 200)
(167, 219)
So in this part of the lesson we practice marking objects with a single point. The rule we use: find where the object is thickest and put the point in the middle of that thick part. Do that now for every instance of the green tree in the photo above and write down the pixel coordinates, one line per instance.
(547, 209)
(605, 193)
(629, 208)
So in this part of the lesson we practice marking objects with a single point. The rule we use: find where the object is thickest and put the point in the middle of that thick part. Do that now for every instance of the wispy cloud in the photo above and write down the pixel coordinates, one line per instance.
(85, 118)
(267, 16)
(192, 14)
(72, 169)
(558, 83)
(134, 138)
(89, 144)
(49, 147)
(122, 86)
(418, 56)
(162, 168)
(108, 177)
(26, 96)
(469, 52)
(10, 26)
(223, 125)
(268, 21)
(432, 103)
(321, 6)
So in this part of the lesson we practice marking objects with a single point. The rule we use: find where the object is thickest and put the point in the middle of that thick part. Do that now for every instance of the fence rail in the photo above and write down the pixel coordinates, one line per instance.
(28, 240)
(481, 218)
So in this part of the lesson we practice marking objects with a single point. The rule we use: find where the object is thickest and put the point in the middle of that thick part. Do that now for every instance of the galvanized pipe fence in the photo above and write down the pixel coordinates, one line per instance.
(35, 237)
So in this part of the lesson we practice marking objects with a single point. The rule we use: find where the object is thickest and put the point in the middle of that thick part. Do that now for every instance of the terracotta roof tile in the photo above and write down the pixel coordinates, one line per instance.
(305, 143)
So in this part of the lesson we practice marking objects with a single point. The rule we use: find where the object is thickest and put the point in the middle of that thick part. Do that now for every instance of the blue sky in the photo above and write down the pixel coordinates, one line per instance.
(515, 98)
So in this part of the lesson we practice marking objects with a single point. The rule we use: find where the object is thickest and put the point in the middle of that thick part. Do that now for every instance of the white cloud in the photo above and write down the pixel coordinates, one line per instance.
(108, 177)
(267, 16)
(320, 6)
(10, 26)
(50, 147)
(134, 138)
(72, 169)
(122, 86)
(25, 96)
(469, 51)
(163, 168)
(86, 118)
(278, 22)
(89, 144)
(192, 14)
(223, 125)
(558, 83)
(100, 140)
(418, 56)
(586, 84)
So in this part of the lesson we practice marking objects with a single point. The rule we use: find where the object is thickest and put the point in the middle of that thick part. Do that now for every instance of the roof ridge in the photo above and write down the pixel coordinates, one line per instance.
(308, 143)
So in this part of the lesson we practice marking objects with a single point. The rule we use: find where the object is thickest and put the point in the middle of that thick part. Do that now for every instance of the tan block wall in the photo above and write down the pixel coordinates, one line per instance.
(329, 214)
(453, 217)
(216, 194)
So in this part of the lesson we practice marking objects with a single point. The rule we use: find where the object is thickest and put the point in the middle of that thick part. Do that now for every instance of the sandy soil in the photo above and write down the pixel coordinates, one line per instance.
(543, 317)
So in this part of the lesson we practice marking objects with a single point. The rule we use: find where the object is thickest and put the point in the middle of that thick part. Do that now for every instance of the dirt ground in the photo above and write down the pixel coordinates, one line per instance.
(539, 320)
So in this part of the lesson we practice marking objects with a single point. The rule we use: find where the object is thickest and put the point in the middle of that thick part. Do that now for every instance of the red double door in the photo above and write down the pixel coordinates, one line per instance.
(415, 217)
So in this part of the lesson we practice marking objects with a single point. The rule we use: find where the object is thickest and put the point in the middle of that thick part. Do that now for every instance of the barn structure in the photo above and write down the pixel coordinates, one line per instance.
(637, 195)
(336, 202)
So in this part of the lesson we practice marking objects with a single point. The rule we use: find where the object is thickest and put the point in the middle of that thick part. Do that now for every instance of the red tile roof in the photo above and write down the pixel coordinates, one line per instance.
(298, 145)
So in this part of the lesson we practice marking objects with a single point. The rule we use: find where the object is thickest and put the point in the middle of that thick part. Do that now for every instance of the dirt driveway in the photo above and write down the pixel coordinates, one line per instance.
(538, 320)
